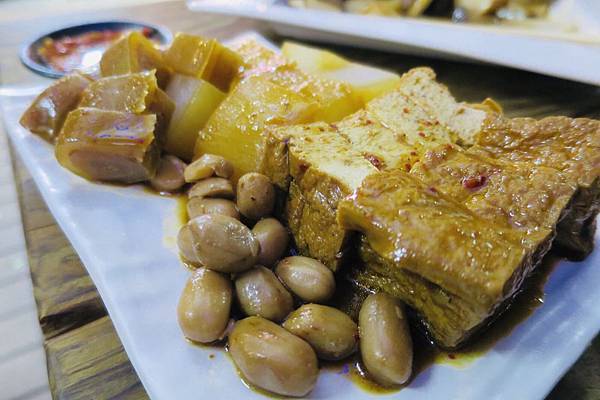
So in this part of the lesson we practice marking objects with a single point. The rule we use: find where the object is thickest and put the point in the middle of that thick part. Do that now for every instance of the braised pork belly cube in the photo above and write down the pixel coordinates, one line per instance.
(571, 146)
(48, 111)
(205, 59)
(456, 269)
(136, 93)
(109, 146)
(134, 53)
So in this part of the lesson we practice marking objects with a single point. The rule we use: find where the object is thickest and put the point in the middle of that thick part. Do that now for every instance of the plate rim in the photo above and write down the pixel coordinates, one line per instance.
(391, 34)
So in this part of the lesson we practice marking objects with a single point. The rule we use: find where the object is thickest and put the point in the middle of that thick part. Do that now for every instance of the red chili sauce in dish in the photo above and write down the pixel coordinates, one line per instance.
(80, 51)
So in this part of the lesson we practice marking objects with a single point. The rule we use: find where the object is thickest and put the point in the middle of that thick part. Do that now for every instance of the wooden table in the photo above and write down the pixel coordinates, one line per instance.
(85, 357)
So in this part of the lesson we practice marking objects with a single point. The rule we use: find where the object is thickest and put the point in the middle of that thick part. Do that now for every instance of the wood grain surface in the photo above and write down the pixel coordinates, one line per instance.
(85, 358)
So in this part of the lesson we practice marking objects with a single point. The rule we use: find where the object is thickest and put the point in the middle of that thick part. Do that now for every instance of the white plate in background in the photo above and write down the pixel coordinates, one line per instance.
(569, 55)
(125, 237)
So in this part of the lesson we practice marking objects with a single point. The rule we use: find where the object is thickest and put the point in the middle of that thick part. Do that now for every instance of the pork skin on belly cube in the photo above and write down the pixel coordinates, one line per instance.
(46, 114)
(204, 59)
(134, 53)
(109, 146)
(136, 93)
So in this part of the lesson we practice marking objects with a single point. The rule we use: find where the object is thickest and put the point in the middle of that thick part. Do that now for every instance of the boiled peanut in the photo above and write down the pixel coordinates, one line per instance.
(223, 243)
(273, 239)
(307, 278)
(204, 306)
(273, 359)
(332, 334)
(206, 166)
(259, 292)
(385, 341)
(255, 195)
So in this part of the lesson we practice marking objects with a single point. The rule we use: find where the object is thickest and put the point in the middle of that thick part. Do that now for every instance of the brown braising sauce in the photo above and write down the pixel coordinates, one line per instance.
(426, 353)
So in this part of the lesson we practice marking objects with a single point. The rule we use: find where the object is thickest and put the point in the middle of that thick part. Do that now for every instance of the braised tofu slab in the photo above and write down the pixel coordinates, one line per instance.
(412, 228)
(571, 146)
(324, 168)
(463, 119)
(521, 196)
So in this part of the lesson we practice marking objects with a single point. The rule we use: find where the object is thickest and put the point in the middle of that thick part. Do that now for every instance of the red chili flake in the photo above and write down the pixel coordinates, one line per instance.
(147, 31)
(303, 167)
(369, 122)
(474, 182)
(376, 161)
(406, 110)
(422, 134)
(432, 189)
(407, 167)
(413, 153)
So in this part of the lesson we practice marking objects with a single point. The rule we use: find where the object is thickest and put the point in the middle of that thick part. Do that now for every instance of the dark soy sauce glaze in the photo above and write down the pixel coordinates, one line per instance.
(348, 299)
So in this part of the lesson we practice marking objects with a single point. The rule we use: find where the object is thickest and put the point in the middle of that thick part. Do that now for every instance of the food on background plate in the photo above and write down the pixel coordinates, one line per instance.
(302, 174)
(491, 11)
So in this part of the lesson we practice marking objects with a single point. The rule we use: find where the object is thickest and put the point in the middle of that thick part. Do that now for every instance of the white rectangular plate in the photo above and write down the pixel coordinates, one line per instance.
(574, 56)
(125, 237)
